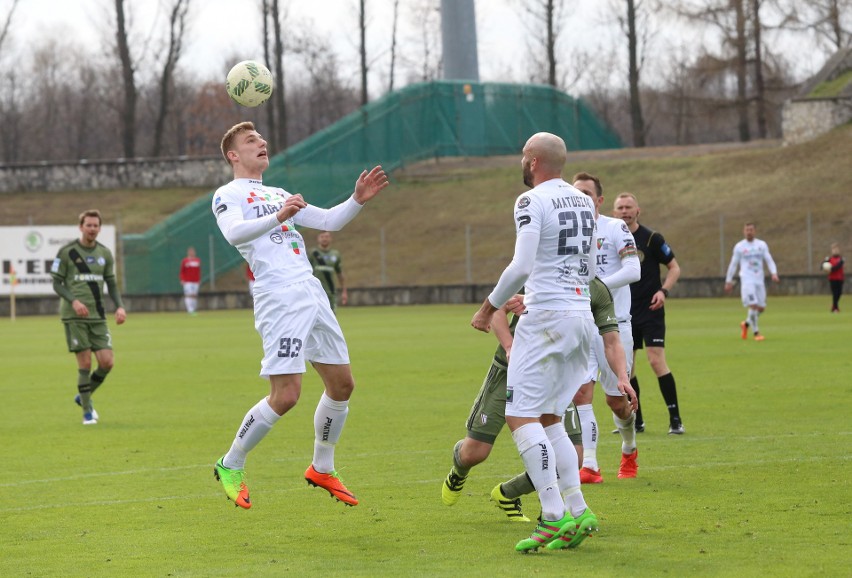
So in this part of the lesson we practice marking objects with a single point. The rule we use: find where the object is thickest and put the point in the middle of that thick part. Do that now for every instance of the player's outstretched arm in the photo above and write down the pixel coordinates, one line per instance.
(370, 184)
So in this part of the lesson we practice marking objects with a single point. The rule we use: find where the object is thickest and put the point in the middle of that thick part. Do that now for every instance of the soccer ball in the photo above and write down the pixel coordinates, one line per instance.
(249, 83)
(826, 266)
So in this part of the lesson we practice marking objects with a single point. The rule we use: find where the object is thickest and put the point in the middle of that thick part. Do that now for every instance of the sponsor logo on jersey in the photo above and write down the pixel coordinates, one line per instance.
(217, 201)
(524, 202)
(221, 209)
(524, 220)
(624, 228)
(88, 277)
(483, 419)
(601, 241)
(276, 238)
(263, 197)
(510, 393)
(90, 260)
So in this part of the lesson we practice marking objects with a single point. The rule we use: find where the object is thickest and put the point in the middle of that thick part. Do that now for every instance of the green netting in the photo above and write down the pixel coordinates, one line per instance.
(428, 120)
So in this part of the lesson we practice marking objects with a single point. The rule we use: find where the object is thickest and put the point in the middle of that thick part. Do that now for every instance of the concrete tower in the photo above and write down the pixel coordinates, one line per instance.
(458, 40)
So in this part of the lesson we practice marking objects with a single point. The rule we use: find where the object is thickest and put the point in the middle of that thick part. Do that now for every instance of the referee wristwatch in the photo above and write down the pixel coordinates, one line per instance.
(664, 291)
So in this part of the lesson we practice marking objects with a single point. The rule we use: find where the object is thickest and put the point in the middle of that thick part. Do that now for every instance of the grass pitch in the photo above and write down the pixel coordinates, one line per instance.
(759, 484)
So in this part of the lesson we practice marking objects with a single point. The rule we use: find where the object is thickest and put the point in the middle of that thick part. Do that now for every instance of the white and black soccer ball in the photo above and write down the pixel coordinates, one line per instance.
(249, 83)
(826, 266)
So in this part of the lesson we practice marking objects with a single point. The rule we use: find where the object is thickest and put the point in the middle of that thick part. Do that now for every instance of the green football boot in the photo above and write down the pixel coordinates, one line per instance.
(545, 533)
(584, 525)
(234, 483)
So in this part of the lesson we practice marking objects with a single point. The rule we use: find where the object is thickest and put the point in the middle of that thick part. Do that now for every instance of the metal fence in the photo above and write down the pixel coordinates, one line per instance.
(422, 121)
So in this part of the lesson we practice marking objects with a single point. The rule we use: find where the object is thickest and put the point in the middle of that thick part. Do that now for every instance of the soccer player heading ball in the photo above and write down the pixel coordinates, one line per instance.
(292, 312)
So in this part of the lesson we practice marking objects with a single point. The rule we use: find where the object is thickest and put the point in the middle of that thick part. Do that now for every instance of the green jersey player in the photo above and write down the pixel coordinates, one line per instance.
(487, 416)
(79, 272)
(328, 268)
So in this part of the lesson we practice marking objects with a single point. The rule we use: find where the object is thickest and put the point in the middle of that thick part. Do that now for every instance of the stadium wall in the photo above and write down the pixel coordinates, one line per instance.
(416, 295)
(161, 173)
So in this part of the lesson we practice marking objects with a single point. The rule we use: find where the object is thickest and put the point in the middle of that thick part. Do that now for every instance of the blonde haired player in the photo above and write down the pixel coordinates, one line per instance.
(292, 313)
(749, 256)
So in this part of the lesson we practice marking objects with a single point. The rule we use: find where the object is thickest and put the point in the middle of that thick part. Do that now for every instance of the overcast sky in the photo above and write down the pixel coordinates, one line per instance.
(224, 28)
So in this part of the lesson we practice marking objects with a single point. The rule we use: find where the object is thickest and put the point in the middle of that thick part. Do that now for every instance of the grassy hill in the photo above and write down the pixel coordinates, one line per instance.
(698, 197)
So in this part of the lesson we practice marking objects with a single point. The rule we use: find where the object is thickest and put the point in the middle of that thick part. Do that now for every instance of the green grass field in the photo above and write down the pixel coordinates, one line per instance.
(759, 485)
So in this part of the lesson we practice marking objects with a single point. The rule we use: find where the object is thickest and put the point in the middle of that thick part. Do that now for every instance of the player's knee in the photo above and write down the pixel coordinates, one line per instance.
(585, 394)
(282, 401)
(474, 454)
(341, 389)
(619, 406)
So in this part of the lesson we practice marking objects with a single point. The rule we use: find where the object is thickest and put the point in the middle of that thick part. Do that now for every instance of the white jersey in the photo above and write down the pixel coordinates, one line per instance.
(615, 245)
(246, 210)
(750, 256)
(563, 220)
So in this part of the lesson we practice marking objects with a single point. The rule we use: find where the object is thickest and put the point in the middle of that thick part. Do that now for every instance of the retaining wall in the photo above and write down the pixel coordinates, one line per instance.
(421, 295)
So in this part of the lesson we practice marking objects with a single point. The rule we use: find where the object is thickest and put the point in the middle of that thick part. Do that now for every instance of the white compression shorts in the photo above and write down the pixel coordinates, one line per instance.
(550, 355)
(297, 325)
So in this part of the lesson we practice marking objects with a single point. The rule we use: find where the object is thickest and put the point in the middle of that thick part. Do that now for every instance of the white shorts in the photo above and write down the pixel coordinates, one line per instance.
(599, 369)
(753, 294)
(296, 325)
(550, 355)
(190, 289)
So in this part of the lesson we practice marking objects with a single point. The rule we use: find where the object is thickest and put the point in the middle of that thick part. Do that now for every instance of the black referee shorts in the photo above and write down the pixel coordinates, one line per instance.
(649, 327)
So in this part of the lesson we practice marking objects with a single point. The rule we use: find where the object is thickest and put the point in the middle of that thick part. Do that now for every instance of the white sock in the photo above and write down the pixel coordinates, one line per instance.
(256, 424)
(192, 304)
(537, 455)
(574, 501)
(329, 418)
(627, 431)
(589, 425)
(752, 319)
(567, 468)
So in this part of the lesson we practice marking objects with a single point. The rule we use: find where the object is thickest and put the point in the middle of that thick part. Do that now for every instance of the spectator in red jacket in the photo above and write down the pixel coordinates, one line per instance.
(190, 278)
(833, 265)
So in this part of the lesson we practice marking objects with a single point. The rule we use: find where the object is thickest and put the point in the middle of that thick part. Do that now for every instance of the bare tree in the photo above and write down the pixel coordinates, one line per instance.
(829, 20)
(424, 15)
(362, 26)
(6, 25)
(546, 15)
(741, 69)
(637, 120)
(759, 85)
(393, 44)
(177, 27)
(280, 105)
(128, 109)
(270, 107)
(729, 18)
